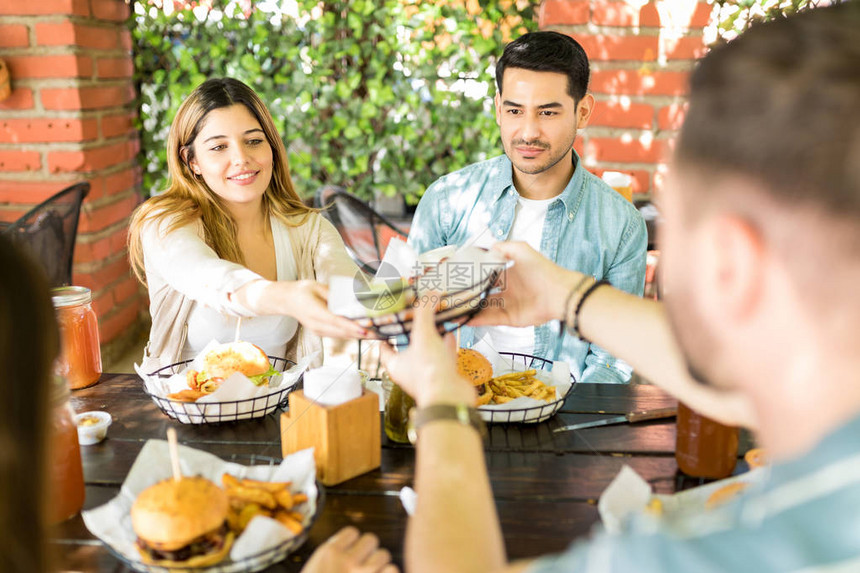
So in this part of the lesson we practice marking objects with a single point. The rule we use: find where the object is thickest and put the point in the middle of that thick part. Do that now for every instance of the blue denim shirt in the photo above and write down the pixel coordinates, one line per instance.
(589, 228)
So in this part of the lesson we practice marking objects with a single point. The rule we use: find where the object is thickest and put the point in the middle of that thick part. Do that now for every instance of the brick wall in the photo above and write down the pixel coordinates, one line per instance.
(641, 54)
(69, 119)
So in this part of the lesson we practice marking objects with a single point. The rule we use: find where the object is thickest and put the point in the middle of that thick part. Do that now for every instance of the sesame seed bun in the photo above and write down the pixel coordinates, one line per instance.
(473, 366)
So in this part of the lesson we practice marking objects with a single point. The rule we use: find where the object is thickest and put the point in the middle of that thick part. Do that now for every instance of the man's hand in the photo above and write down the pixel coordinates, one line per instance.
(427, 369)
(349, 552)
(535, 289)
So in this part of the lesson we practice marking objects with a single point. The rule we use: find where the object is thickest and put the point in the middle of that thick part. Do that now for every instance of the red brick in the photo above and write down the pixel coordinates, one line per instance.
(119, 320)
(124, 290)
(701, 16)
(50, 66)
(21, 98)
(115, 10)
(619, 151)
(561, 12)
(14, 36)
(636, 82)
(671, 117)
(20, 160)
(113, 125)
(91, 159)
(102, 217)
(605, 47)
(98, 279)
(103, 248)
(29, 191)
(87, 98)
(621, 13)
(120, 181)
(112, 68)
(617, 114)
(687, 48)
(125, 40)
(44, 7)
(641, 178)
(12, 215)
(70, 34)
(47, 130)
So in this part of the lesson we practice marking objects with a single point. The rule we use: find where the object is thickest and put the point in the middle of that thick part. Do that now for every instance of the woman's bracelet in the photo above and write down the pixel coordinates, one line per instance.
(588, 292)
(565, 323)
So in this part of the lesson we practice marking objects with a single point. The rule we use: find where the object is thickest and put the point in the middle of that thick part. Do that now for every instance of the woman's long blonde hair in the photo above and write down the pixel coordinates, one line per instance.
(188, 198)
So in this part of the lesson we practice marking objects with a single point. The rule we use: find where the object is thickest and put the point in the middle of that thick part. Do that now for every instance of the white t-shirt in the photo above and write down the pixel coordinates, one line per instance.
(528, 224)
(271, 333)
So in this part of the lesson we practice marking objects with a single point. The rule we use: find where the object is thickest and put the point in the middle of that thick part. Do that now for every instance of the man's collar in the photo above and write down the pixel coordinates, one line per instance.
(569, 196)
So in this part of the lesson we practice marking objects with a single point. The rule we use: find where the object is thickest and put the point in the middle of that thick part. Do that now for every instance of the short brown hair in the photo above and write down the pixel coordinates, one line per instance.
(781, 105)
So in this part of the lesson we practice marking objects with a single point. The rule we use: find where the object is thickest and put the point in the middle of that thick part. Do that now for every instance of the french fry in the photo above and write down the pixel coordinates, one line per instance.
(289, 522)
(285, 499)
(248, 513)
(230, 481)
(515, 375)
(499, 399)
(253, 495)
(299, 498)
(270, 486)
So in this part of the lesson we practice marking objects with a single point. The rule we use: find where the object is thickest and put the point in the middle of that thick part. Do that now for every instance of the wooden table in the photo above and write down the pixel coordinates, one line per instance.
(545, 484)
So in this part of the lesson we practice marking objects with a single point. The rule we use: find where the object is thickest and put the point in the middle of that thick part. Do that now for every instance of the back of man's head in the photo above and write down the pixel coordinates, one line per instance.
(547, 52)
(780, 106)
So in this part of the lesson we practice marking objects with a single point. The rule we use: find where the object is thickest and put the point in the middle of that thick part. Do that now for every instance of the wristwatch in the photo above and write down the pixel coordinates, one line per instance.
(466, 415)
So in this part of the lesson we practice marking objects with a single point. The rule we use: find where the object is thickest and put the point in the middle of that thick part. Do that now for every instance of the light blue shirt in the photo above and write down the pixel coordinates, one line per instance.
(804, 518)
(589, 228)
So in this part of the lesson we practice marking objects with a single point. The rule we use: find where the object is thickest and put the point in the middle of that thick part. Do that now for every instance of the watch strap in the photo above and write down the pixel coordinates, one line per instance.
(466, 415)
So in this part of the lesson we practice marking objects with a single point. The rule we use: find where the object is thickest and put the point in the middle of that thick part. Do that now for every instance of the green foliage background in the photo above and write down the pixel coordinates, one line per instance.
(366, 94)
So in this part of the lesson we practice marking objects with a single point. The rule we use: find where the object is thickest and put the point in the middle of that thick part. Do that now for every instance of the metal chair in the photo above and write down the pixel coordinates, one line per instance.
(48, 231)
(364, 231)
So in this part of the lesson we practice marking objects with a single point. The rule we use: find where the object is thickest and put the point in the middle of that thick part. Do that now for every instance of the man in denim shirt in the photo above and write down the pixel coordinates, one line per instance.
(539, 192)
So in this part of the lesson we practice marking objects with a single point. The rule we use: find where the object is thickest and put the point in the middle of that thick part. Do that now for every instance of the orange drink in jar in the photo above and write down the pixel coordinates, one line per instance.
(66, 476)
(80, 361)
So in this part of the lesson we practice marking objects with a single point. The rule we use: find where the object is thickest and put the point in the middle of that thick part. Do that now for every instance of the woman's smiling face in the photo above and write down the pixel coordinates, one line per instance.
(233, 156)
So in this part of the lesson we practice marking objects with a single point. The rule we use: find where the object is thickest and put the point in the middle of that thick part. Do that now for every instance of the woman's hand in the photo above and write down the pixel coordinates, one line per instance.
(427, 369)
(349, 552)
(306, 301)
(534, 289)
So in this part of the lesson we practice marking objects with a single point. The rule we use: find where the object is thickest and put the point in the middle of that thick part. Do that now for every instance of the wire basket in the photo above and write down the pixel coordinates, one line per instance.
(455, 309)
(221, 412)
(533, 414)
(255, 562)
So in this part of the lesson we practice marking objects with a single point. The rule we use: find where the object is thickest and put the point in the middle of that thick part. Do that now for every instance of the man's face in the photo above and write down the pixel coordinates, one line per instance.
(683, 259)
(538, 119)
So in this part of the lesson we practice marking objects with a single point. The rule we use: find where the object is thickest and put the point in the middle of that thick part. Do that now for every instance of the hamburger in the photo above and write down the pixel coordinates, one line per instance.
(474, 367)
(182, 523)
(225, 360)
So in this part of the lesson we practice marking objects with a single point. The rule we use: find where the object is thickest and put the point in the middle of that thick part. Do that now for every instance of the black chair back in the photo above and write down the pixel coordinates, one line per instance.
(48, 231)
(364, 231)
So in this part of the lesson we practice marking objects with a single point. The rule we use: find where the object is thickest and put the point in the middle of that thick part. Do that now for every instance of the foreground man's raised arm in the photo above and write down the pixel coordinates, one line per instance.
(455, 527)
(633, 329)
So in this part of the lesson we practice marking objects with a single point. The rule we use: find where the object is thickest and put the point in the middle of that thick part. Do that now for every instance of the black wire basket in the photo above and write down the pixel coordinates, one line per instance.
(532, 414)
(255, 562)
(221, 412)
(454, 309)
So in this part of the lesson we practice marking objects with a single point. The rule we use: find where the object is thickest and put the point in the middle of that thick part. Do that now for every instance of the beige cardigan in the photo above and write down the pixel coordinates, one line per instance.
(319, 253)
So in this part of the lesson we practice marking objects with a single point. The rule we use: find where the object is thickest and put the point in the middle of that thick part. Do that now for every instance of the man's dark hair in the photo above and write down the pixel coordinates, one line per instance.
(781, 105)
(547, 52)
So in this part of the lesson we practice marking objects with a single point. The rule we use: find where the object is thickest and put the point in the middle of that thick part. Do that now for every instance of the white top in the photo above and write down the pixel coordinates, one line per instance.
(184, 262)
(527, 226)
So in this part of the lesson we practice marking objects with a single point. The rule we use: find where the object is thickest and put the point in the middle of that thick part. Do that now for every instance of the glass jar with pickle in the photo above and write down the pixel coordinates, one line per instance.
(397, 406)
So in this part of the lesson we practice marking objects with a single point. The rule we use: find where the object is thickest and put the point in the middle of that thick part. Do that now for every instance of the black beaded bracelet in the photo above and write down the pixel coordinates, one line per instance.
(563, 323)
(588, 292)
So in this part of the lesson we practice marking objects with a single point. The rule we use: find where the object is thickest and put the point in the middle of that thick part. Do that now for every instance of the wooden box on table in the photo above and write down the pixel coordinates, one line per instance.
(345, 438)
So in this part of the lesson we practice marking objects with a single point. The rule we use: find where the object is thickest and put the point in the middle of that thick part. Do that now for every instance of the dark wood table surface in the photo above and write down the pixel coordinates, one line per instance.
(545, 484)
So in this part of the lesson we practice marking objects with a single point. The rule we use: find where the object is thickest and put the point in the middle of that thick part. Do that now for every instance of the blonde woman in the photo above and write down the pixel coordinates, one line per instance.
(231, 238)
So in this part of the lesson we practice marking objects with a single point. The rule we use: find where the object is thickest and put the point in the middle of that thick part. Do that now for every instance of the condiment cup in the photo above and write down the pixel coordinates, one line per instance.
(93, 432)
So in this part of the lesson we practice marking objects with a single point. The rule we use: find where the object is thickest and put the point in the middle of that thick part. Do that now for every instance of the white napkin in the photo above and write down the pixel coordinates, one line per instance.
(628, 494)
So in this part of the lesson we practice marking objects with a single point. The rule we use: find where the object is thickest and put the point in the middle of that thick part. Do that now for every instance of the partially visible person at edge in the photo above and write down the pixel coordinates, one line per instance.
(539, 192)
(761, 255)
(29, 342)
(230, 238)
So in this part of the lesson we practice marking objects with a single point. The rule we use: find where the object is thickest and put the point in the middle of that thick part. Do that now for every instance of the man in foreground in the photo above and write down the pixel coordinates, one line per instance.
(540, 193)
(761, 263)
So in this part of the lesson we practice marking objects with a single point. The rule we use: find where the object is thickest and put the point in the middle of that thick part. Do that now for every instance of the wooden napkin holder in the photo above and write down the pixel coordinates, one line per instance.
(345, 438)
